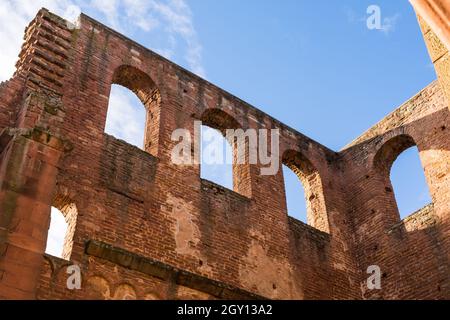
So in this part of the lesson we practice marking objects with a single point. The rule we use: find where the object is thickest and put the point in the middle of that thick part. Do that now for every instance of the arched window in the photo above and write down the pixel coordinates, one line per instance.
(134, 109)
(56, 234)
(295, 195)
(399, 165)
(216, 122)
(409, 184)
(126, 116)
(294, 163)
(217, 158)
(63, 221)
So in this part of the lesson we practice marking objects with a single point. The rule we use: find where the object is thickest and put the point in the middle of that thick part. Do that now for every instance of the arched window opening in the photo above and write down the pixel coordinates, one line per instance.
(134, 109)
(228, 172)
(56, 234)
(312, 191)
(409, 184)
(61, 231)
(126, 116)
(217, 158)
(399, 165)
(295, 195)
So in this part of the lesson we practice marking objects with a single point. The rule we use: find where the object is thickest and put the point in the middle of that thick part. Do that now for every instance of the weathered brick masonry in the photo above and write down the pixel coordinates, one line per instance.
(143, 227)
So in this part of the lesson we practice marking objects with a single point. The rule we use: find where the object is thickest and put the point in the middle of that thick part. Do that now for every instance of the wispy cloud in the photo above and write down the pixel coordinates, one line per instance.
(138, 11)
(126, 116)
(171, 17)
(110, 9)
(14, 17)
(57, 232)
(216, 157)
(171, 20)
(179, 23)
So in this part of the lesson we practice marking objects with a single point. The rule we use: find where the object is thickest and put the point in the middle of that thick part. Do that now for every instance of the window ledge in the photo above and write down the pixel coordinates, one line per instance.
(209, 186)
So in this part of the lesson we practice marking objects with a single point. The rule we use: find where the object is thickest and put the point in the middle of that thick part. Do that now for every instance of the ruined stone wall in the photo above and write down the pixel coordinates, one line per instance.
(144, 227)
(11, 93)
(412, 253)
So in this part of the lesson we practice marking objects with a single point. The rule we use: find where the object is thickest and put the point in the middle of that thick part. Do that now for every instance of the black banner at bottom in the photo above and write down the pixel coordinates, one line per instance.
(223, 309)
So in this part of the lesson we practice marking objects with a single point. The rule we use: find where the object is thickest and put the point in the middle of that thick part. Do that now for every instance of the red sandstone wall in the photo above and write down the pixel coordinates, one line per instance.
(437, 15)
(246, 242)
(140, 202)
(11, 93)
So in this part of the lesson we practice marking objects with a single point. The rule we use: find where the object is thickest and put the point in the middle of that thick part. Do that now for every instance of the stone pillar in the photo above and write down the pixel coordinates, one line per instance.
(436, 13)
(28, 172)
(439, 56)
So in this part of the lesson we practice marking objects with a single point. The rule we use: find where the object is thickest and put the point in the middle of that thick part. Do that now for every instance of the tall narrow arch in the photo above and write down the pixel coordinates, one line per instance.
(316, 214)
(216, 153)
(398, 162)
(220, 120)
(295, 195)
(145, 89)
(56, 233)
(63, 222)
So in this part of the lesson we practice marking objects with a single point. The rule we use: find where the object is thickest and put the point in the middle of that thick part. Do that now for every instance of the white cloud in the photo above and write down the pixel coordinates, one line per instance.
(352, 16)
(216, 157)
(110, 9)
(138, 11)
(169, 19)
(179, 22)
(167, 53)
(56, 233)
(15, 15)
(126, 116)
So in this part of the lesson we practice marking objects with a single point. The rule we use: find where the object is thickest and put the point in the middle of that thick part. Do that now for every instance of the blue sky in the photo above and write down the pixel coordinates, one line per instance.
(314, 65)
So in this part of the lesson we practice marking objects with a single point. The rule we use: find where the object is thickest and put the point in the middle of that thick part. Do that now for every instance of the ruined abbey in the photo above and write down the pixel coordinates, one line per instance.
(142, 227)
